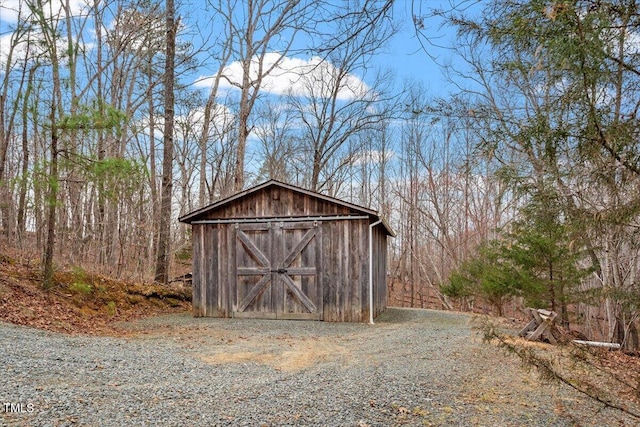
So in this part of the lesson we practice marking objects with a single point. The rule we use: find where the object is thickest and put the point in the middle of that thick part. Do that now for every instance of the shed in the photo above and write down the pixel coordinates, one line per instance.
(279, 251)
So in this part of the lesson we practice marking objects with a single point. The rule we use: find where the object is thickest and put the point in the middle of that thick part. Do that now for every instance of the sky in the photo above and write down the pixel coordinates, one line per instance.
(405, 56)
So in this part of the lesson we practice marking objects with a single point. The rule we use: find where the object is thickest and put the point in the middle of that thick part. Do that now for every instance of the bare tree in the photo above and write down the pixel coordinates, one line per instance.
(186, 147)
(20, 40)
(279, 153)
(47, 22)
(81, 126)
(257, 29)
(164, 224)
(127, 77)
(337, 105)
(554, 96)
(212, 110)
(336, 108)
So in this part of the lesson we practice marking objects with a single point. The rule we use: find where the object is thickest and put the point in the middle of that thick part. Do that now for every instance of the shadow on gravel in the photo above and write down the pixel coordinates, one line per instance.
(391, 316)
(397, 315)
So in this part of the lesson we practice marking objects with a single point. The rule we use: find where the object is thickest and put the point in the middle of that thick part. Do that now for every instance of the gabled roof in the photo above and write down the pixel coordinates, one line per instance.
(191, 216)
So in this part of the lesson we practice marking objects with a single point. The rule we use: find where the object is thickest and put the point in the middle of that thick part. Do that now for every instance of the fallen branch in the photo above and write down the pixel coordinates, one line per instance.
(547, 370)
(598, 344)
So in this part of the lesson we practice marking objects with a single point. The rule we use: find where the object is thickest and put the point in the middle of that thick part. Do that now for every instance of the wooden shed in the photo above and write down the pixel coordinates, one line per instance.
(282, 252)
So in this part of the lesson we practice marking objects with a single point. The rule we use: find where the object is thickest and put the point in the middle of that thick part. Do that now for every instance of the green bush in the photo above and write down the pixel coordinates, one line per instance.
(80, 288)
(79, 284)
(111, 308)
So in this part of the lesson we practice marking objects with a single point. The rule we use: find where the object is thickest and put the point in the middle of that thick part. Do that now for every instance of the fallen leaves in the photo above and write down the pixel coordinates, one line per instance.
(93, 308)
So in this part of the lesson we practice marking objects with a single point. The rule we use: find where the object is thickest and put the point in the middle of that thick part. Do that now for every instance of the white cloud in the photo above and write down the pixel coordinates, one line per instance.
(11, 10)
(27, 47)
(221, 119)
(372, 157)
(28, 43)
(300, 77)
(30, 47)
(5, 48)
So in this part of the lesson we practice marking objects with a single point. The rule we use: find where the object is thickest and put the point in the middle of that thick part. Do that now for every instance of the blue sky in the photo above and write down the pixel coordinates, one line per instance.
(405, 53)
(408, 54)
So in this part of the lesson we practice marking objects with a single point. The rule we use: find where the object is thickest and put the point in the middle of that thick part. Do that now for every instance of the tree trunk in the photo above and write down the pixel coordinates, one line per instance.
(632, 340)
(153, 178)
(4, 144)
(53, 178)
(243, 129)
(164, 227)
(21, 223)
(52, 203)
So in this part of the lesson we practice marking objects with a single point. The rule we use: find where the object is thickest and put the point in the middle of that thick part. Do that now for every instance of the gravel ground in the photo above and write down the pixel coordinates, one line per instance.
(414, 367)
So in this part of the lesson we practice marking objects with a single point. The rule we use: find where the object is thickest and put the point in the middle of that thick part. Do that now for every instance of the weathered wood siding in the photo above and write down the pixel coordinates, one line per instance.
(379, 270)
(345, 270)
(210, 271)
(306, 269)
(198, 282)
(276, 202)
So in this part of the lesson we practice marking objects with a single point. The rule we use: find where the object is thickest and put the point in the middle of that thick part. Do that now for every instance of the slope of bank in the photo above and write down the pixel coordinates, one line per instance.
(80, 301)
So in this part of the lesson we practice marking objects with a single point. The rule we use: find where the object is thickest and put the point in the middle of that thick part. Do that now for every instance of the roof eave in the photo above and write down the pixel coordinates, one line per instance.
(187, 218)
(387, 227)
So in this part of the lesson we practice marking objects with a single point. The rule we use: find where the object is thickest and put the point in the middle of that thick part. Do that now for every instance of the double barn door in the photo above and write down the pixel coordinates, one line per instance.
(276, 270)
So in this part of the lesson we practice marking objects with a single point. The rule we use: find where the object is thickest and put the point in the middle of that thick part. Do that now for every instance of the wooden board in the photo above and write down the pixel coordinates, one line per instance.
(254, 292)
(297, 274)
(276, 270)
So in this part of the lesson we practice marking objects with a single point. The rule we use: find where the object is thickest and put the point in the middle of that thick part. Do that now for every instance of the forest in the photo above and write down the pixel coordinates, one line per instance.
(520, 187)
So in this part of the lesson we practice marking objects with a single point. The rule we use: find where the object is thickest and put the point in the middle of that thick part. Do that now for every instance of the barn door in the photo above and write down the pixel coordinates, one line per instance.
(254, 293)
(297, 256)
(276, 271)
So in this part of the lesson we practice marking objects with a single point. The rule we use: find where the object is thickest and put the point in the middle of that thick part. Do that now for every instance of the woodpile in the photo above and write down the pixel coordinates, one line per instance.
(186, 280)
(542, 326)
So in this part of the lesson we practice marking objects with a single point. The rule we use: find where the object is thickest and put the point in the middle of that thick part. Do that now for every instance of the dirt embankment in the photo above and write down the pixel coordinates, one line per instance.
(80, 301)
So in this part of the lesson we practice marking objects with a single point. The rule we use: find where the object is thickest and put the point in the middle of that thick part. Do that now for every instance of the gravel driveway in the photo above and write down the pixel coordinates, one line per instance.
(414, 367)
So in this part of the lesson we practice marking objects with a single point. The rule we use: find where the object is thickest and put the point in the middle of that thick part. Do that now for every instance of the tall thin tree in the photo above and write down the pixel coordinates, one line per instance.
(164, 225)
